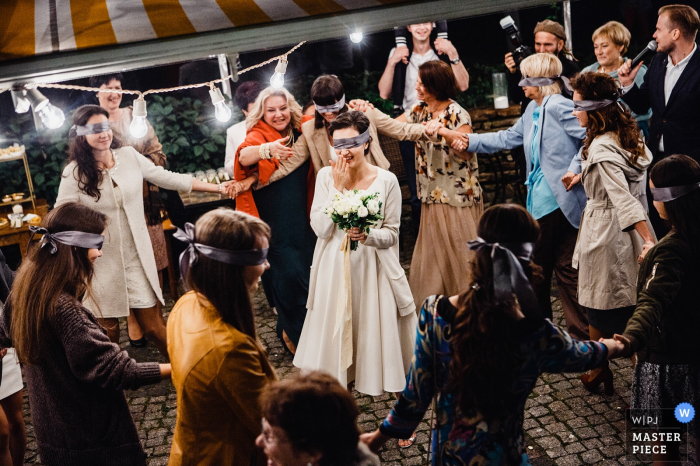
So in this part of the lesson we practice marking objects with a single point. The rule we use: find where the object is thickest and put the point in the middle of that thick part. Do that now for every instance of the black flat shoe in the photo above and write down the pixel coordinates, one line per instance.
(140, 343)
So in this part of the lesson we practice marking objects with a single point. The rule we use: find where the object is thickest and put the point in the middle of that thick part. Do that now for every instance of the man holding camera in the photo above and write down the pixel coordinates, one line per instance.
(418, 50)
(550, 37)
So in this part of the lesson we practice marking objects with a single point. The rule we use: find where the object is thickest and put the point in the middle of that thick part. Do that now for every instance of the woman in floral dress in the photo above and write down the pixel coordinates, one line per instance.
(448, 187)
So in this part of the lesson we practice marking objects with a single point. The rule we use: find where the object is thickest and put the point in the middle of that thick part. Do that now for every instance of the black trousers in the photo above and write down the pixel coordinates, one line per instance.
(553, 252)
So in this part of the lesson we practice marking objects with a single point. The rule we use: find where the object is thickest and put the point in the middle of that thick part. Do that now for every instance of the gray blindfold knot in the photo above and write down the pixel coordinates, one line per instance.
(673, 192)
(508, 275)
(590, 105)
(336, 107)
(190, 256)
(547, 81)
(350, 143)
(84, 130)
(79, 239)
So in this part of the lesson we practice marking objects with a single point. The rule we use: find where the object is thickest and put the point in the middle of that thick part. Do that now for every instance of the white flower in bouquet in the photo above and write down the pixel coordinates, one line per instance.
(373, 206)
(362, 212)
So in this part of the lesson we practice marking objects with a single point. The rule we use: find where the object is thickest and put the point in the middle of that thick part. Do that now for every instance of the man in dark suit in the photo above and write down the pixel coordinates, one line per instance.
(671, 89)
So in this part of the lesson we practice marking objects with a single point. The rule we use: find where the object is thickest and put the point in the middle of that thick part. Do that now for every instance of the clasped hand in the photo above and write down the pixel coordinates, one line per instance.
(279, 150)
(618, 346)
(356, 234)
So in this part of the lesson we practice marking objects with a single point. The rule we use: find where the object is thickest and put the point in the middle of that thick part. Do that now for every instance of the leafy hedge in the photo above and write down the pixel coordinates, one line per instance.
(192, 138)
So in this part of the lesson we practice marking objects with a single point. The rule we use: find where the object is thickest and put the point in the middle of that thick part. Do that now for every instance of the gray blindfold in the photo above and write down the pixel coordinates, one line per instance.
(508, 275)
(191, 255)
(544, 81)
(350, 143)
(95, 128)
(590, 105)
(673, 192)
(336, 107)
(79, 239)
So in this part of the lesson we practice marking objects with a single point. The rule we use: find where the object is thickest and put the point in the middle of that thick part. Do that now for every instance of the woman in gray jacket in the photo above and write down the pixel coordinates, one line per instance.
(615, 232)
(108, 178)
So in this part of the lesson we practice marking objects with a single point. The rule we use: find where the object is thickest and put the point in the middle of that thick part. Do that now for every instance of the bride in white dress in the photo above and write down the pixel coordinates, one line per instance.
(383, 312)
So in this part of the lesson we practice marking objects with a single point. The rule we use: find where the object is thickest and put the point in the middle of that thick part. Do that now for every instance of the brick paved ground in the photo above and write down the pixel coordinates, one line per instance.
(565, 425)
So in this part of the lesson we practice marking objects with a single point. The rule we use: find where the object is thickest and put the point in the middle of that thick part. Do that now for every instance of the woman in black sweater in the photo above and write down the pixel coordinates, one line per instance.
(665, 326)
(75, 375)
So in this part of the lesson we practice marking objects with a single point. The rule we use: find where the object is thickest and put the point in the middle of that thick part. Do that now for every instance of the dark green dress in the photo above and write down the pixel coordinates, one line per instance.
(282, 205)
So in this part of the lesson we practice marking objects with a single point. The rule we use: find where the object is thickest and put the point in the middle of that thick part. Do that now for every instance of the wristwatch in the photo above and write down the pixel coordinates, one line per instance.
(455, 61)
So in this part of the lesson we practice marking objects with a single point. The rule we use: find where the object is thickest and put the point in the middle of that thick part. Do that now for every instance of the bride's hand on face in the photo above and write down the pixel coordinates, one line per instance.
(357, 235)
(341, 173)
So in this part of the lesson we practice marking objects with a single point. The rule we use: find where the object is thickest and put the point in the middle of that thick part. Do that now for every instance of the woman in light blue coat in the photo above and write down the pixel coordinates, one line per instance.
(551, 137)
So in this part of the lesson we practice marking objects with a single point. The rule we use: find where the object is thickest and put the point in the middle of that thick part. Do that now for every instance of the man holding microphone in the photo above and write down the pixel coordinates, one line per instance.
(671, 88)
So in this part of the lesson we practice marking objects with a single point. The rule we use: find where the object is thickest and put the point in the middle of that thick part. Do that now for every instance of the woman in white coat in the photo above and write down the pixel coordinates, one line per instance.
(383, 313)
(108, 178)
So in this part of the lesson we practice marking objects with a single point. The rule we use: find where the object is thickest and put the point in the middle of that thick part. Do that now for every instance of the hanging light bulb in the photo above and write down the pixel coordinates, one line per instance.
(51, 116)
(221, 110)
(277, 79)
(139, 127)
(356, 36)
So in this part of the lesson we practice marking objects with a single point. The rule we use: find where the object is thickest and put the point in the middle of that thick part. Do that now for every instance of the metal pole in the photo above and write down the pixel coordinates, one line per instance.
(567, 23)
(224, 71)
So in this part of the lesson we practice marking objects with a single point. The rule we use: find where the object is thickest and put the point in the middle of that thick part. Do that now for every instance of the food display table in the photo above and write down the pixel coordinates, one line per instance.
(20, 236)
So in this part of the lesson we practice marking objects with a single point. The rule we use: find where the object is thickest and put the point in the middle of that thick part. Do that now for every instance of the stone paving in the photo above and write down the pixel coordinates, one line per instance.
(564, 424)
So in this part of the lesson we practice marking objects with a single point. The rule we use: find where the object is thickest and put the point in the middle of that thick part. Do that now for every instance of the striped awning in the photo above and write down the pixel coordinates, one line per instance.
(36, 27)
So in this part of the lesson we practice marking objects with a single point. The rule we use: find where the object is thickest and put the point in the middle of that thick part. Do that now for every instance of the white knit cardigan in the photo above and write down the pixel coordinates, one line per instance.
(109, 283)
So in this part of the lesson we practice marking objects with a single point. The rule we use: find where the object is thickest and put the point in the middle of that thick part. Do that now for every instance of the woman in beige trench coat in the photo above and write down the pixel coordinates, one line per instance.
(615, 232)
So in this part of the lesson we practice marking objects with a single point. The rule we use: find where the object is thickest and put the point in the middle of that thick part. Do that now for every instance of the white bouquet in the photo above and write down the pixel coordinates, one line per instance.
(356, 208)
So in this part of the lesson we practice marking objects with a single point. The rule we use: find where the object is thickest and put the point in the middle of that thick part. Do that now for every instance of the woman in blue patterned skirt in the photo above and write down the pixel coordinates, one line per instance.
(481, 352)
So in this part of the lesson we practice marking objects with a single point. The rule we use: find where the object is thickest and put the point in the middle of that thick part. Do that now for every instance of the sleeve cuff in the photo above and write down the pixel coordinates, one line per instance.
(149, 373)
(626, 89)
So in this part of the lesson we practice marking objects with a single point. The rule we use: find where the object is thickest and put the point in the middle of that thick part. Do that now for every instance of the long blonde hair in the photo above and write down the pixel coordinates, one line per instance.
(542, 65)
(258, 111)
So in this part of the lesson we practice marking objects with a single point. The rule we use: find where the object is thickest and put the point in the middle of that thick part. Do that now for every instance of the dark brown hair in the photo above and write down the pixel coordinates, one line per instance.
(88, 174)
(352, 119)
(97, 81)
(43, 277)
(246, 93)
(317, 414)
(326, 90)
(223, 285)
(438, 79)
(683, 213)
(610, 119)
(682, 17)
(484, 339)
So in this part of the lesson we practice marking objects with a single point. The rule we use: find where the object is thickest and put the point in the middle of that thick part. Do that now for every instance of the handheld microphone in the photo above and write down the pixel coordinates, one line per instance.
(651, 47)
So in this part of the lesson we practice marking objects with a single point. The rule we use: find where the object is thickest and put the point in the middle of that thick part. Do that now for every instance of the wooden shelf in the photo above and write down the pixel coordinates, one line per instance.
(10, 158)
(19, 201)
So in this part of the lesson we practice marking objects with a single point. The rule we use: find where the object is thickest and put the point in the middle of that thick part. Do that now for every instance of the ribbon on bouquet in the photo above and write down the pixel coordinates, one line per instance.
(343, 309)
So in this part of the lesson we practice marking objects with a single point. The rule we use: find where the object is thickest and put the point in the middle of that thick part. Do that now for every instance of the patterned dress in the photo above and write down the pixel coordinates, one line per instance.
(449, 190)
(468, 438)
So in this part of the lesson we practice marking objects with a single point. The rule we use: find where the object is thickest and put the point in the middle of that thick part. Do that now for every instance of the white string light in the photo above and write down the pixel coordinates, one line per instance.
(277, 79)
(139, 127)
(221, 110)
(53, 117)
(356, 36)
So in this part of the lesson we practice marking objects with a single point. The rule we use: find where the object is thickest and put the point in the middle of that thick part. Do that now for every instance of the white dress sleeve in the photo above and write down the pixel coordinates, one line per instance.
(322, 225)
(388, 235)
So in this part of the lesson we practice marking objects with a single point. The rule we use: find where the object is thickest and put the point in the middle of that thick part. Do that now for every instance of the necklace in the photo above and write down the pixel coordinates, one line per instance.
(115, 167)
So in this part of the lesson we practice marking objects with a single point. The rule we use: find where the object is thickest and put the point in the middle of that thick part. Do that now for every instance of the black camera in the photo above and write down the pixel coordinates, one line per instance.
(519, 50)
